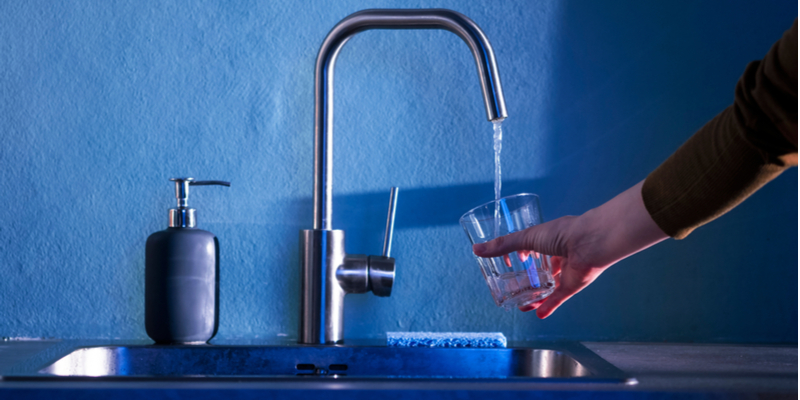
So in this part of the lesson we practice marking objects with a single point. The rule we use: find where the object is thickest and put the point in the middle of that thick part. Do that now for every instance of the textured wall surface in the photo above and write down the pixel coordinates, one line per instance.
(102, 101)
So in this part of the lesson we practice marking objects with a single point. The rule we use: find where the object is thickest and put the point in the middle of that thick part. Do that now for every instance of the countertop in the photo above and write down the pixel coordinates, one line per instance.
(663, 370)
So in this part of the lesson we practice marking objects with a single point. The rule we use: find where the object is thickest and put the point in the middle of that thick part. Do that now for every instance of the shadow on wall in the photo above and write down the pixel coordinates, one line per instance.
(416, 207)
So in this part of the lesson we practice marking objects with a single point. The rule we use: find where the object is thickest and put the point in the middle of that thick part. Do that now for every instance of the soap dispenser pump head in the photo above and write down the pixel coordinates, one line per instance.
(183, 216)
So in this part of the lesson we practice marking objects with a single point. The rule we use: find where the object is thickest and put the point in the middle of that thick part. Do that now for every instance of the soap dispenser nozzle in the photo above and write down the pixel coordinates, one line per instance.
(183, 216)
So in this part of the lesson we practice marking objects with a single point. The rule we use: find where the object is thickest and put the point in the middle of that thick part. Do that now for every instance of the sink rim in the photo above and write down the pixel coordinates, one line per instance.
(30, 369)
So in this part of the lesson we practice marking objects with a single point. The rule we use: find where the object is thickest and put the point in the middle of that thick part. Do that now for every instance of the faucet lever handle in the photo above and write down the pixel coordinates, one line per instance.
(387, 237)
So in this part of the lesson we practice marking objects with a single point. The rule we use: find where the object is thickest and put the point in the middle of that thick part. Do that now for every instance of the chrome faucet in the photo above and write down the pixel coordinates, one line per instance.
(328, 273)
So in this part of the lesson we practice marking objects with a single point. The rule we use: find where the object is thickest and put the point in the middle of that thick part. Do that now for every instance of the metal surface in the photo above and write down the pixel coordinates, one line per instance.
(328, 274)
(549, 362)
(449, 20)
(387, 237)
(183, 216)
(361, 274)
(353, 276)
(321, 312)
(663, 370)
(182, 190)
(381, 275)
(321, 297)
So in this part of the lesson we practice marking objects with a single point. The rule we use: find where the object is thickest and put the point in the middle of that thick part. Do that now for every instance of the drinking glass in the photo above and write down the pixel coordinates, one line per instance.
(514, 281)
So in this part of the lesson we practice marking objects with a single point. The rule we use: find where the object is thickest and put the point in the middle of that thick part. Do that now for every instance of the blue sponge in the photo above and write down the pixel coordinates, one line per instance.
(445, 339)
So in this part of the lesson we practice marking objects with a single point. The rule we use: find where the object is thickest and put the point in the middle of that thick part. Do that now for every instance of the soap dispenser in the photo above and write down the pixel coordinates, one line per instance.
(182, 276)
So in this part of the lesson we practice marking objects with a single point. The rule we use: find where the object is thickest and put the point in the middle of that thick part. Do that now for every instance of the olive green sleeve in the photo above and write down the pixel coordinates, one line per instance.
(733, 155)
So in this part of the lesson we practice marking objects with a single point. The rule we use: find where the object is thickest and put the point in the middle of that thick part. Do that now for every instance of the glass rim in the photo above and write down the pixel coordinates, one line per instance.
(495, 201)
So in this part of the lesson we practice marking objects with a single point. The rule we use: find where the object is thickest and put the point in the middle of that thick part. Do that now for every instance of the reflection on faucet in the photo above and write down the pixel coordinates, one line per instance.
(325, 266)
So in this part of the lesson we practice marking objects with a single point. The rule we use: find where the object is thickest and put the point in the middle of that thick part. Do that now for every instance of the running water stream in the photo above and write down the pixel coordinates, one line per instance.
(498, 144)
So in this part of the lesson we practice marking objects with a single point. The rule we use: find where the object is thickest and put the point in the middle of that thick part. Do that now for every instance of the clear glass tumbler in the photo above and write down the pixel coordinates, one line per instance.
(513, 281)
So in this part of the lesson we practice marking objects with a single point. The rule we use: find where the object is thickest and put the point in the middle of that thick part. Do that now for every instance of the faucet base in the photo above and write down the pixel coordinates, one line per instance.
(321, 297)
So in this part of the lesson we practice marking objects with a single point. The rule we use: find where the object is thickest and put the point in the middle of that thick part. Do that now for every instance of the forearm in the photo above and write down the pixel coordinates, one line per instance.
(622, 226)
(734, 154)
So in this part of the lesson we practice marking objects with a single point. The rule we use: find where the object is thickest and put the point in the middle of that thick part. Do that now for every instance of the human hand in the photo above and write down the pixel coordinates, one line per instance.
(577, 259)
(582, 247)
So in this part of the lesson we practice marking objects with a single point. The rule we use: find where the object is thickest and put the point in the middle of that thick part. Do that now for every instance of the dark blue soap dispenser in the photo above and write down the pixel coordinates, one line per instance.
(181, 287)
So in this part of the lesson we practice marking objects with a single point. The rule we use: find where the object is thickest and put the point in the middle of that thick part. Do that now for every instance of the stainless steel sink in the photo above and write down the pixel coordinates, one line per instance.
(554, 361)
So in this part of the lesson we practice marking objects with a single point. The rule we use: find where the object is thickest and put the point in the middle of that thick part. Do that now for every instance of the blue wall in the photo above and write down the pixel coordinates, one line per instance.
(102, 101)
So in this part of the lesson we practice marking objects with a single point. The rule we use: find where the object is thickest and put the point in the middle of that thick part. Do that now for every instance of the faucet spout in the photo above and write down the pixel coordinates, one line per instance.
(452, 21)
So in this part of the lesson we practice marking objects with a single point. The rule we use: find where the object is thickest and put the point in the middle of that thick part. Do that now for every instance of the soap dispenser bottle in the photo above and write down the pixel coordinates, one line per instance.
(182, 276)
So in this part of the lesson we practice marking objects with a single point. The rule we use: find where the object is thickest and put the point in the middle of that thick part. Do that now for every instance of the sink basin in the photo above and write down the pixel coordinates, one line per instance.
(557, 361)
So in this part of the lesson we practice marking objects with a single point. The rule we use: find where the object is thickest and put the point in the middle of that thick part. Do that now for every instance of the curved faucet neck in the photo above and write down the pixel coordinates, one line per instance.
(387, 19)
